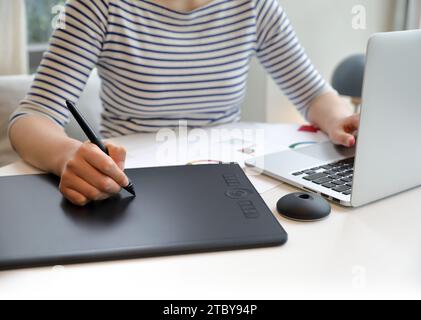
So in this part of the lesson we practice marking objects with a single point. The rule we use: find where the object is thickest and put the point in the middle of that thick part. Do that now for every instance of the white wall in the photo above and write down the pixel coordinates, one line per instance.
(325, 30)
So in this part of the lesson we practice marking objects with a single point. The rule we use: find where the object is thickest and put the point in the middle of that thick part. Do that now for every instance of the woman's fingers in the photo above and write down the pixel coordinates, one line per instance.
(352, 124)
(344, 131)
(91, 175)
(74, 197)
(343, 138)
(118, 154)
(103, 163)
(73, 182)
(86, 172)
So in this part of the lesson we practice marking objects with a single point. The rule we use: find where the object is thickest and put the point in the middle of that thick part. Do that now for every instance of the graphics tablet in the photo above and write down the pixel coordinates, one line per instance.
(178, 210)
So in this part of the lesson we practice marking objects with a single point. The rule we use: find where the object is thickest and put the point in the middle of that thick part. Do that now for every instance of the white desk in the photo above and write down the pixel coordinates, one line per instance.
(374, 251)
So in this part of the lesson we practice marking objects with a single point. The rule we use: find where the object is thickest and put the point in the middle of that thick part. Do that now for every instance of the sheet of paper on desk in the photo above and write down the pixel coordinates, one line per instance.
(151, 157)
(148, 150)
(20, 167)
(238, 146)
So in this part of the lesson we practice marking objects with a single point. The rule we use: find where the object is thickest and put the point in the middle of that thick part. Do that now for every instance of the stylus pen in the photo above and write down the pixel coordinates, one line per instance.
(87, 129)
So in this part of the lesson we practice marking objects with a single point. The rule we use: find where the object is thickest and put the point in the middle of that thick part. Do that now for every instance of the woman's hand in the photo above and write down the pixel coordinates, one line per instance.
(90, 175)
(334, 116)
(343, 131)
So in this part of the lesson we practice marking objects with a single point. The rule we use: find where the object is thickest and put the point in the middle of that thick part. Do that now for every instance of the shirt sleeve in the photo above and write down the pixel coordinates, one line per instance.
(73, 52)
(281, 54)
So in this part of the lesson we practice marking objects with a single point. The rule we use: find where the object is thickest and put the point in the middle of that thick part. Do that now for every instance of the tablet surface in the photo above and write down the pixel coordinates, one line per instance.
(178, 210)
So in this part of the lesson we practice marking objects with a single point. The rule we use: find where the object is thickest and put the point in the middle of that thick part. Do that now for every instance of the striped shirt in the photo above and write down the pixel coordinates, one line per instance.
(159, 66)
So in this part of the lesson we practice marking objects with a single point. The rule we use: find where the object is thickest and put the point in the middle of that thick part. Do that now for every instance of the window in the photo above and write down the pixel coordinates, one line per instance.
(39, 21)
(414, 14)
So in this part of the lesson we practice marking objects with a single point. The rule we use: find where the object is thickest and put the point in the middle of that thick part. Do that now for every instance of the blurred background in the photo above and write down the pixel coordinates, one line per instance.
(330, 31)
(325, 28)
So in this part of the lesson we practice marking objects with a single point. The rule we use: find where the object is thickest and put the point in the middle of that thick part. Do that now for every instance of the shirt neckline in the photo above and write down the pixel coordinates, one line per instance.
(186, 13)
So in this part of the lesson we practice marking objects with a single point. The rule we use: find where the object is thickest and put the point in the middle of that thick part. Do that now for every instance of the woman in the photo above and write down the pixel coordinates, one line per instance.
(161, 61)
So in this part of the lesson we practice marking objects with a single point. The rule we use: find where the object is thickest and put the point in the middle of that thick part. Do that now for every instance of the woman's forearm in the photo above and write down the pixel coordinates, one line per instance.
(42, 143)
(86, 173)
(328, 109)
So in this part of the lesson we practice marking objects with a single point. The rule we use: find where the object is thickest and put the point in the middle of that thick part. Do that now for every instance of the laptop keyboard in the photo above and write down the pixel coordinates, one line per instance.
(337, 176)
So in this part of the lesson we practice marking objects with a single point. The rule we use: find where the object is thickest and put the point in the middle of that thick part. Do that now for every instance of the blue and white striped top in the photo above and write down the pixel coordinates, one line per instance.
(159, 66)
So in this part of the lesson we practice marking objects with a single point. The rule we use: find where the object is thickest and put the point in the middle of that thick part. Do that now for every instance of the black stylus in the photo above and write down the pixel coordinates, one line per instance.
(87, 129)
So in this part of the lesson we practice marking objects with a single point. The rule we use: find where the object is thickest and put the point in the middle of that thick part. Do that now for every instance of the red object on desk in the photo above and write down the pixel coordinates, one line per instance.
(308, 128)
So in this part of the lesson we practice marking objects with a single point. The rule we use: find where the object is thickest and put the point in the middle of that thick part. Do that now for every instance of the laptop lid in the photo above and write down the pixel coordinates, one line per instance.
(177, 210)
(388, 159)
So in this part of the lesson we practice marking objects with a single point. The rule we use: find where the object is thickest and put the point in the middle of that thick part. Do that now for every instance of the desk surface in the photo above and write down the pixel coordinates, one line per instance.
(369, 252)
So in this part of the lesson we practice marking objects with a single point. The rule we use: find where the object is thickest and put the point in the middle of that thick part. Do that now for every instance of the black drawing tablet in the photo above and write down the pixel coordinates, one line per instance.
(178, 210)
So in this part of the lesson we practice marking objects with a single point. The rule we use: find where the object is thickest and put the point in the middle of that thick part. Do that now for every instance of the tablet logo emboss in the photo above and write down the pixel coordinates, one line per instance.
(249, 209)
(231, 180)
(238, 193)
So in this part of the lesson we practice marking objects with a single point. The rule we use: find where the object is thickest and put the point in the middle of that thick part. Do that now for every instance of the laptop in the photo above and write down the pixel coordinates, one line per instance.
(178, 210)
(387, 158)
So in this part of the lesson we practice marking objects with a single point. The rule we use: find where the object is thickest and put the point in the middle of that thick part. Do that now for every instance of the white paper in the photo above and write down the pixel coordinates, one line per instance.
(238, 143)
(150, 150)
